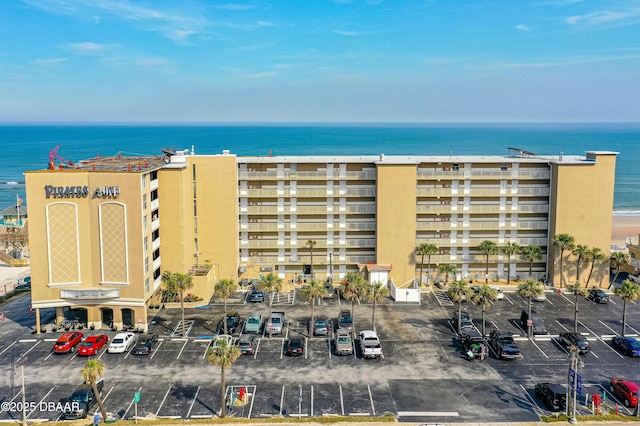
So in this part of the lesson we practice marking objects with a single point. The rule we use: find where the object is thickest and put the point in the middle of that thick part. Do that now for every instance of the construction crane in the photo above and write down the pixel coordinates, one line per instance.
(53, 156)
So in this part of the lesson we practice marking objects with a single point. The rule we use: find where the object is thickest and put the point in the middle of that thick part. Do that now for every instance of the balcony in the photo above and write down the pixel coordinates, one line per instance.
(155, 204)
(155, 224)
(157, 263)
(155, 244)
(154, 184)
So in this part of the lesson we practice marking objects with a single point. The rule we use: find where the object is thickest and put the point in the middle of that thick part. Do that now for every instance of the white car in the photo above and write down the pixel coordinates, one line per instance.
(122, 343)
(500, 293)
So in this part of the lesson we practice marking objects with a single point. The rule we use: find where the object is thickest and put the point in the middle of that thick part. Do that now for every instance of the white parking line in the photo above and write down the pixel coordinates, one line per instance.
(533, 402)
(206, 349)
(183, 346)
(103, 401)
(7, 348)
(373, 408)
(305, 348)
(311, 401)
(634, 330)
(43, 398)
(567, 299)
(541, 351)
(255, 354)
(33, 347)
(281, 400)
(341, 400)
(599, 338)
(282, 351)
(560, 324)
(608, 327)
(163, 400)
(253, 398)
(509, 299)
(614, 398)
(156, 349)
(193, 402)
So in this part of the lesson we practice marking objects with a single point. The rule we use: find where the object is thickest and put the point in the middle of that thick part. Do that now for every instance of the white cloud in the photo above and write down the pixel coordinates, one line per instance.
(89, 49)
(347, 33)
(522, 27)
(264, 74)
(235, 7)
(49, 61)
(604, 17)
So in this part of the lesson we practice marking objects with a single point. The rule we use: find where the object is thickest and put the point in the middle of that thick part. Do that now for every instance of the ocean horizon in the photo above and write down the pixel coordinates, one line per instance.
(27, 145)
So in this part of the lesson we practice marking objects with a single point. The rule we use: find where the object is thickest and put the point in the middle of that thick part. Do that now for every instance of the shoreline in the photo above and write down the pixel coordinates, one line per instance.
(625, 227)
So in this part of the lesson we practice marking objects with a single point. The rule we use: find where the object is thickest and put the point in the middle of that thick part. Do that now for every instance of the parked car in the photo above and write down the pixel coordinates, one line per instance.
(320, 327)
(539, 298)
(554, 396)
(569, 339)
(370, 344)
(233, 321)
(626, 391)
(344, 344)
(465, 320)
(82, 401)
(67, 342)
(254, 323)
(627, 345)
(330, 290)
(500, 294)
(503, 345)
(536, 320)
(247, 344)
(145, 344)
(345, 320)
(23, 287)
(598, 295)
(121, 343)
(92, 344)
(472, 342)
(294, 346)
(222, 338)
(256, 296)
(276, 323)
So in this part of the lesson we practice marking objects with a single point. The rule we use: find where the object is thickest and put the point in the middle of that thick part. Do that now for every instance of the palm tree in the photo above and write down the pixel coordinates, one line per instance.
(426, 249)
(311, 244)
(447, 269)
(595, 255)
(270, 283)
(487, 248)
(531, 253)
(483, 297)
(223, 289)
(530, 289)
(178, 283)
(377, 293)
(617, 260)
(509, 250)
(354, 289)
(93, 369)
(458, 292)
(628, 291)
(563, 242)
(310, 292)
(582, 252)
(223, 355)
(578, 291)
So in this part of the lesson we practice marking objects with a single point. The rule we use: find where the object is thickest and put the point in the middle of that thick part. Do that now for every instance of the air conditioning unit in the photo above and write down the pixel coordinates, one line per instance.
(242, 269)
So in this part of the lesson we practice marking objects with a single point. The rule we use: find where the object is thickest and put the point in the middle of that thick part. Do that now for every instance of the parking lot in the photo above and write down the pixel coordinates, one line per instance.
(423, 376)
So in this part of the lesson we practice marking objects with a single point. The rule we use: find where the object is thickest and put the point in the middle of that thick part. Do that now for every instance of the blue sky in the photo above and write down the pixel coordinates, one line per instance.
(320, 61)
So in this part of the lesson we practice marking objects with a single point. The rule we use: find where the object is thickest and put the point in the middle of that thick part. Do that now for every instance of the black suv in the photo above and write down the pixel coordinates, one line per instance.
(82, 401)
(598, 296)
(233, 321)
(571, 338)
(145, 344)
(554, 396)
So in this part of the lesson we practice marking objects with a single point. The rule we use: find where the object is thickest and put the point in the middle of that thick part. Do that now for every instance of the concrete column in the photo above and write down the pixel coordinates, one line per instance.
(59, 315)
(37, 320)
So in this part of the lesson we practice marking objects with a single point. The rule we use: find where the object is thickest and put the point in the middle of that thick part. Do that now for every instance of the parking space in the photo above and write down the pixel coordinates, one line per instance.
(423, 377)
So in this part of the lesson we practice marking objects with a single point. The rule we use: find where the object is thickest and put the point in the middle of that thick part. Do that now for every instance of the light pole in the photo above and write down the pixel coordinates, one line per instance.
(575, 362)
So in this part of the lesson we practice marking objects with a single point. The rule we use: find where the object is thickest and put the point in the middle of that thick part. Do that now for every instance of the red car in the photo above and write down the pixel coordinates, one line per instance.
(67, 342)
(626, 391)
(92, 345)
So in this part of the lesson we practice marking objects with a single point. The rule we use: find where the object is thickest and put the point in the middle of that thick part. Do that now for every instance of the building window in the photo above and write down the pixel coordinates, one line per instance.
(156, 274)
(144, 223)
(154, 195)
(154, 175)
(503, 167)
(146, 285)
(155, 235)
(144, 202)
(146, 265)
(193, 168)
(456, 166)
(156, 254)
(146, 242)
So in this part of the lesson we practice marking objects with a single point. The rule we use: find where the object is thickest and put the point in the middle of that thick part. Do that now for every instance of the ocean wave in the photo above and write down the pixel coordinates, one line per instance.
(626, 212)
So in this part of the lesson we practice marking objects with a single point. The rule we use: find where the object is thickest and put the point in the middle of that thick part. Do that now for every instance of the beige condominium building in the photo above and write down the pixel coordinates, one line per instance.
(103, 232)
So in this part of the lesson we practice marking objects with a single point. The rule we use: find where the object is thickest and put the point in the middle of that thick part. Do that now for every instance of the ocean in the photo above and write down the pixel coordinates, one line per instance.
(26, 147)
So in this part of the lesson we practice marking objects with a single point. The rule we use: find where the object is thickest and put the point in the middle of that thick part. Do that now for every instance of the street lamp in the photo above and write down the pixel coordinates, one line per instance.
(576, 361)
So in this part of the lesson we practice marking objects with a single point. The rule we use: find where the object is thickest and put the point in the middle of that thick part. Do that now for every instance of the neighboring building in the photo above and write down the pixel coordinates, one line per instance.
(633, 247)
(14, 235)
(99, 235)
